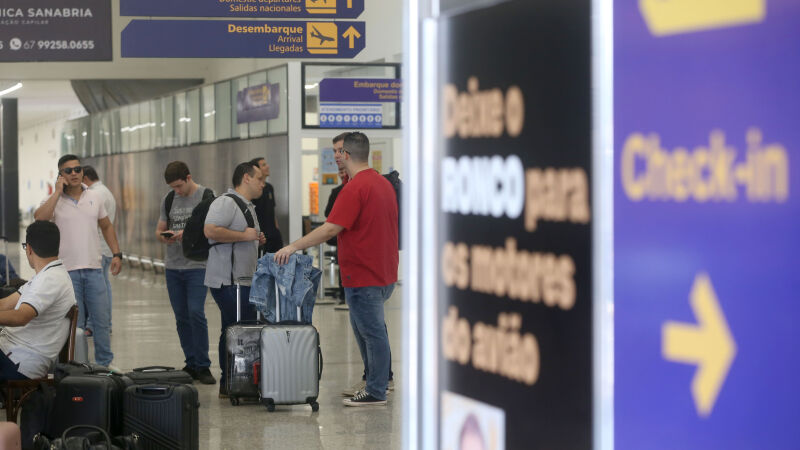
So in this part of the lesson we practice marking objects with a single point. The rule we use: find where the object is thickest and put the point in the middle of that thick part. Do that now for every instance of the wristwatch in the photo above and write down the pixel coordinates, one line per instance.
(116, 255)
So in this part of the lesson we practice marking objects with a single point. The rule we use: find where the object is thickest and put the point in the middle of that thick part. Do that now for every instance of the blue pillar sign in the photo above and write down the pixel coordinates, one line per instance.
(242, 39)
(322, 9)
(707, 213)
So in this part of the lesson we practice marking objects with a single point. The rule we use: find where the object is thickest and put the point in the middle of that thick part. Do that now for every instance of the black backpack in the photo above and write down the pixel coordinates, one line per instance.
(397, 184)
(195, 242)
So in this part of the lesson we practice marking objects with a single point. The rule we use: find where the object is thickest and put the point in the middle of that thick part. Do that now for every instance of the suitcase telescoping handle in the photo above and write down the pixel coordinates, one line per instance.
(239, 282)
(278, 306)
(5, 253)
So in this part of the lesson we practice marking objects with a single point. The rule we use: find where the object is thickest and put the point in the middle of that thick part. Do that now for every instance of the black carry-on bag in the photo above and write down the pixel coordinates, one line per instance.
(89, 399)
(165, 416)
(159, 374)
(291, 362)
(243, 354)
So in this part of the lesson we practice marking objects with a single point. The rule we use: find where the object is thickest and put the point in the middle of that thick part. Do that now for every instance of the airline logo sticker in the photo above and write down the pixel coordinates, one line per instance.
(669, 17)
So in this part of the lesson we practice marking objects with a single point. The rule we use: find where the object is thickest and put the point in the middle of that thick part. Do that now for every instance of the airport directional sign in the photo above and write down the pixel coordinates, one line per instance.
(242, 39)
(276, 9)
(706, 218)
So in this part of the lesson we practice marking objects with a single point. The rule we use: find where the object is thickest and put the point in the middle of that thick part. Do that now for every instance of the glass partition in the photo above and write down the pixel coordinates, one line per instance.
(248, 106)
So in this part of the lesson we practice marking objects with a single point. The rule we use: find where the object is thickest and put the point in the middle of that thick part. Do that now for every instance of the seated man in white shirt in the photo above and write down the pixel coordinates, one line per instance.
(34, 318)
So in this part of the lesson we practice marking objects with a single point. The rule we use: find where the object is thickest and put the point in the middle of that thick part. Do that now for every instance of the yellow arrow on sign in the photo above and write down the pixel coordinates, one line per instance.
(351, 33)
(709, 345)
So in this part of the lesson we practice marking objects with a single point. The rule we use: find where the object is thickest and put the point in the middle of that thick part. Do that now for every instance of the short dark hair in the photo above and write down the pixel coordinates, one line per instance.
(357, 145)
(176, 170)
(241, 169)
(43, 238)
(257, 161)
(67, 158)
(340, 137)
(90, 173)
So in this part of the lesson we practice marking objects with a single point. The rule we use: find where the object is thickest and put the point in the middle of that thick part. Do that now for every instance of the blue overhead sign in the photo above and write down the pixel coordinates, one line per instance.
(242, 39)
(707, 215)
(343, 9)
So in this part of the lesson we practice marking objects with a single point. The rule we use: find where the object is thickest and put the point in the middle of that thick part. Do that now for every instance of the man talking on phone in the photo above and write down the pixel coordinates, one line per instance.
(78, 212)
(187, 293)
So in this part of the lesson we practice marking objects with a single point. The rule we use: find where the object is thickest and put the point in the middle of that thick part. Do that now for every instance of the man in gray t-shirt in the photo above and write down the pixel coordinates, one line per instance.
(187, 292)
(228, 228)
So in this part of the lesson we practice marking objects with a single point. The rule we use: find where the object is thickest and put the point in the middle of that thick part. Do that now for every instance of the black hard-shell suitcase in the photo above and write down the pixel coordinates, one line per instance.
(163, 415)
(89, 399)
(243, 354)
(291, 362)
(159, 374)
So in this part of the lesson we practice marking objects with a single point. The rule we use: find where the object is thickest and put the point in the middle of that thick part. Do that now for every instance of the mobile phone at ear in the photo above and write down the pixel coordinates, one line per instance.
(64, 187)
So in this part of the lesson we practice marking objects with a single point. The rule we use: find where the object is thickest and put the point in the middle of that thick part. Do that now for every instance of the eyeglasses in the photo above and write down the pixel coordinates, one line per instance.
(24, 245)
(69, 170)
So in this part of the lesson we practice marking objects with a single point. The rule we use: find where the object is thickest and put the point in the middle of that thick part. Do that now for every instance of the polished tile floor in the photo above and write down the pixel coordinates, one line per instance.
(144, 334)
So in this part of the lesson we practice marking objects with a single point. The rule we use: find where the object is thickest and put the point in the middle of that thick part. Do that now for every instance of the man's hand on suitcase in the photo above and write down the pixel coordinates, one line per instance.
(282, 255)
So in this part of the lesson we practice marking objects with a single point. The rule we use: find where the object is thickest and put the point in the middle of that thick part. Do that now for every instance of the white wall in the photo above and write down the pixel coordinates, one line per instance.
(39, 150)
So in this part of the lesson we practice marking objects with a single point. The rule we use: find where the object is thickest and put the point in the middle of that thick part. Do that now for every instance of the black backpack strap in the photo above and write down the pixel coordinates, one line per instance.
(207, 194)
(168, 205)
(248, 217)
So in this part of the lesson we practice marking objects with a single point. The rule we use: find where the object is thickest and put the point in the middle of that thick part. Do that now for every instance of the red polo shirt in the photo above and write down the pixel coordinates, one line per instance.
(367, 209)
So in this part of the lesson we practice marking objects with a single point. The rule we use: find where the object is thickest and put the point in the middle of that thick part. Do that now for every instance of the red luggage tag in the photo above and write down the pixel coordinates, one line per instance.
(256, 369)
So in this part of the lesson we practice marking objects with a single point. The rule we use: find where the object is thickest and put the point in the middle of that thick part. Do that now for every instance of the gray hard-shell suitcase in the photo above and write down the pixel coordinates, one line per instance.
(291, 362)
(243, 354)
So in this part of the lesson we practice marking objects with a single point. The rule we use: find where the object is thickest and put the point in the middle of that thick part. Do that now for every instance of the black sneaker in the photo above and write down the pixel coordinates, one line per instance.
(191, 371)
(363, 398)
(204, 375)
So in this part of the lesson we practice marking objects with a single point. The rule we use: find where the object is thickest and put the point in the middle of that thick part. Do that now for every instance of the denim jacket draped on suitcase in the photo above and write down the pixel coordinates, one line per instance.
(297, 281)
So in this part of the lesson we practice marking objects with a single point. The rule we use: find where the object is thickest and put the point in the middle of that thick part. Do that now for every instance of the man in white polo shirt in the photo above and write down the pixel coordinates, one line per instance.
(34, 318)
(78, 211)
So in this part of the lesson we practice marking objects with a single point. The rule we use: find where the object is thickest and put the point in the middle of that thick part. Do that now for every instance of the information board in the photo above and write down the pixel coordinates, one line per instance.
(515, 236)
(706, 224)
(242, 39)
(55, 30)
(343, 9)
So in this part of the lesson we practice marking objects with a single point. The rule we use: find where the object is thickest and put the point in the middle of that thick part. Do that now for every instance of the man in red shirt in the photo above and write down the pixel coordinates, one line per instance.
(365, 219)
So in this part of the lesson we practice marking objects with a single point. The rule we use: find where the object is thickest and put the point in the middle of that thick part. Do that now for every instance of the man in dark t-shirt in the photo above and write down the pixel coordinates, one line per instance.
(364, 218)
(265, 211)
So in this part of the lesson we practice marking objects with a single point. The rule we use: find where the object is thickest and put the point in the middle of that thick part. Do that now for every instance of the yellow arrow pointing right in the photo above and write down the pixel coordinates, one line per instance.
(351, 34)
(709, 345)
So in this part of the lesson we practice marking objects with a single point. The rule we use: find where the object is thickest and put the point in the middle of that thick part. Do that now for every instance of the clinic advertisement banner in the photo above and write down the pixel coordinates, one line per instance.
(515, 237)
(55, 30)
(272, 9)
(706, 224)
(382, 90)
(242, 39)
(258, 103)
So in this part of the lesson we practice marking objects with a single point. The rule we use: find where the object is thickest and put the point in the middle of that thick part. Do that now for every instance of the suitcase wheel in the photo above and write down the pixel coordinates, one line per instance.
(269, 403)
(234, 401)
(314, 406)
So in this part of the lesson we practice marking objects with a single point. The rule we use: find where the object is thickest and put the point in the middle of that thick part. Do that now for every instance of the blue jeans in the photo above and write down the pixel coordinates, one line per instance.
(92, 297)
(8, 369)
(225, 297)
(187, 294)
(106, 265)
(366, 318)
